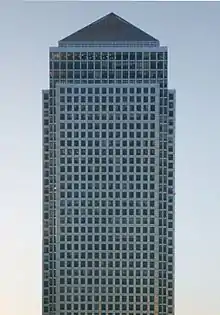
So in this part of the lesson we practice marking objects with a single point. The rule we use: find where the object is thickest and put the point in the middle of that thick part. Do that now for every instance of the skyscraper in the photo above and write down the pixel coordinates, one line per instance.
(108, 174)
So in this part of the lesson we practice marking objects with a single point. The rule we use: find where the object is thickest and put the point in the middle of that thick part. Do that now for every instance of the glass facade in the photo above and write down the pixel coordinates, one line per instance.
(108, 210)
(108, 67)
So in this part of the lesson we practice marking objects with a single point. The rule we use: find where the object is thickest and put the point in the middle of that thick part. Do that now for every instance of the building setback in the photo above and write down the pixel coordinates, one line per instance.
(108, 174)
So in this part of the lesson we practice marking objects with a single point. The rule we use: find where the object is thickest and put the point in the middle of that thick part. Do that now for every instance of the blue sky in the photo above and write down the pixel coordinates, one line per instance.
(191, 31)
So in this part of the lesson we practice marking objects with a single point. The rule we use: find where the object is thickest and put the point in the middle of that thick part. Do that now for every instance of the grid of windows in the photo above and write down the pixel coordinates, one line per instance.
(109, 123)
(108, 67)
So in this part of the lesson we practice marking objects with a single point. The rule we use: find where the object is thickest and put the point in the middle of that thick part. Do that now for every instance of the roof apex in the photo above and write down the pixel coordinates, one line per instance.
(110, 27)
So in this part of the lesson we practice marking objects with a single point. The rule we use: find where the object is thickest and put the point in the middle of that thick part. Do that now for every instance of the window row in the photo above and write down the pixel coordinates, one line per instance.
(103, 160)
(125, 221)
(105, 152)
(106, 75)
(110, 229)
(104, 143)
(107, 99)
(109, 90)
(83, 312)
(110, 298)
(108, 64)
(114, 212)
(68, 152)
(110, 126)
(108, 238)
(108, 55)
(107, 109)
(108, 186)
(111, 202)
(103, 194)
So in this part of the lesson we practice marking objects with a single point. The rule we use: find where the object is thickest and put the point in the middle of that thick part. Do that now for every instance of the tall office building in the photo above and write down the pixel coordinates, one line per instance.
(108, 174)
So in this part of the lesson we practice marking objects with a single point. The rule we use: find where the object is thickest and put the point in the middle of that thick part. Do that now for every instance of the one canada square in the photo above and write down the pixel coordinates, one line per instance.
(108, 174)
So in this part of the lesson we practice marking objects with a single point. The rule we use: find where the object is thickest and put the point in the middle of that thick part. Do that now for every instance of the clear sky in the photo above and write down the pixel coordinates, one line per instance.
(191, 31)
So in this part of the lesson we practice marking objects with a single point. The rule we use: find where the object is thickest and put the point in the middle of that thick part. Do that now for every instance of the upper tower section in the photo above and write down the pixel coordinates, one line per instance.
(108, 51)
(109, 29)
